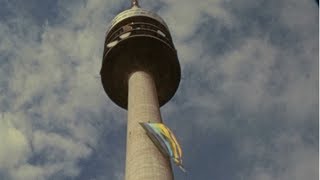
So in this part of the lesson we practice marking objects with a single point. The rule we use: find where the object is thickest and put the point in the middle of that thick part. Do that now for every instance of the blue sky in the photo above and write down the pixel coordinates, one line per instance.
(246, 108)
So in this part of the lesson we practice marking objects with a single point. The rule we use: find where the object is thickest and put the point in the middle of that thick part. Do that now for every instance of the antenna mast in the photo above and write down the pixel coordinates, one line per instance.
(134, 3)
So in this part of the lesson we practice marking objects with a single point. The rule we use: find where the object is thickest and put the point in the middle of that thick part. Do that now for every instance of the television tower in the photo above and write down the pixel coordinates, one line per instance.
(141, 72)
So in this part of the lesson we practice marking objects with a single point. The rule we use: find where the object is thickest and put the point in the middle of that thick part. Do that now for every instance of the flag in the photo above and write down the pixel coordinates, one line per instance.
(165, 140)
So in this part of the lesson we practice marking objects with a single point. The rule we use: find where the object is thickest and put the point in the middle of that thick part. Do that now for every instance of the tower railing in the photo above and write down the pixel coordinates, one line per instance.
(136, 26)
(134, 12)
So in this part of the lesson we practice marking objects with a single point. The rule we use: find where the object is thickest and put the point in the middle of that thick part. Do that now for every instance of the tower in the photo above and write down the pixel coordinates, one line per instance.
(140, 72)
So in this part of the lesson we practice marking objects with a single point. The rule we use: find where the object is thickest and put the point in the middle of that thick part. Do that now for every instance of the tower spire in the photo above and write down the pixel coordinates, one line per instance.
(135, 3)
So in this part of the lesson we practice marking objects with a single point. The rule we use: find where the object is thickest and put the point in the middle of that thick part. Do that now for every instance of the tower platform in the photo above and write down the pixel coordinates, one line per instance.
(139, 40)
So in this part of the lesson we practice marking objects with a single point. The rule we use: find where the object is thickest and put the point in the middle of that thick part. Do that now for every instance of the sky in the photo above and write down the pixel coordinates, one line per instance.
(247, 106)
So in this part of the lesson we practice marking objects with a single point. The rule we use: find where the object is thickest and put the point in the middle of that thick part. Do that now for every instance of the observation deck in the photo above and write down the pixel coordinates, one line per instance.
(139, 40)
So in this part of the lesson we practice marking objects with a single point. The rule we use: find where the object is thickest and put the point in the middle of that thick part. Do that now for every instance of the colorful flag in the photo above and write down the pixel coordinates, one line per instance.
(165, 140)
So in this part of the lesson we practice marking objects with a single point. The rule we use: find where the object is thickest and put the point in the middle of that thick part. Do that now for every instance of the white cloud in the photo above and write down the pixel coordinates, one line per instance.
(14, 147)
(259, 89)
(58, 147)
(55, 93)
(28, 172)
(57, 108)
(286, 157)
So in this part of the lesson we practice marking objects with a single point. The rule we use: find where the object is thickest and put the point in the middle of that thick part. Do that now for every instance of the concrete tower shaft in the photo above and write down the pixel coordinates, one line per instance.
(143, 160)
(138, 39)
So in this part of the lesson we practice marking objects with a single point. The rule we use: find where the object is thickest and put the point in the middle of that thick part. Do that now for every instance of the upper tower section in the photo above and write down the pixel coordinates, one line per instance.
(138, 39)
(135, 10)
(137, 18)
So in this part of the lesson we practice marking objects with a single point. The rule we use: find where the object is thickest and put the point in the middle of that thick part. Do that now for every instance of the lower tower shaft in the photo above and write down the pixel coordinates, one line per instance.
(143, 160)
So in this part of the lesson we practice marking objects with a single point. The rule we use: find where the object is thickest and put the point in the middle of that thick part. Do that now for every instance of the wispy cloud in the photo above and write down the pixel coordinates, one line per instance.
(246, 108)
